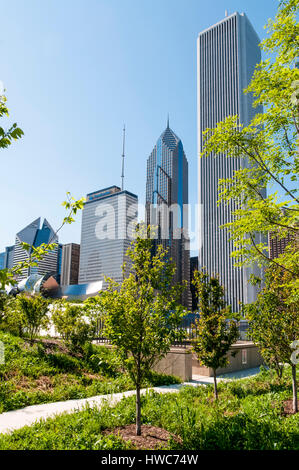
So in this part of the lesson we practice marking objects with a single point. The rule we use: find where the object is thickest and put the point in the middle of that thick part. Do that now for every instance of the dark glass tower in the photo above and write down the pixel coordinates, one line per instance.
(36, 234)
(167, 200)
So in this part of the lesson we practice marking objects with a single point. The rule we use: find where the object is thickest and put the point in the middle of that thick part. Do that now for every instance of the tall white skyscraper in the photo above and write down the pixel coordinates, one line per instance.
(107, 231)
(227, 54)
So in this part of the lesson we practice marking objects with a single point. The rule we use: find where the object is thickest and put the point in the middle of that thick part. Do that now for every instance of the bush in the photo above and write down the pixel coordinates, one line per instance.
(3, 300)
(34, 310)
(73, 326)
(12, 317)
(23, 315)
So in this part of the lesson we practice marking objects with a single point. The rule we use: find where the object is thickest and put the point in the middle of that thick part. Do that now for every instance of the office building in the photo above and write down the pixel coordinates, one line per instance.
(9, 256)
(35, 235)
(167, 203)
(107, 230)
(70, 264)
(227, 54)
(2, 260)
(6, 258)
(277, 245)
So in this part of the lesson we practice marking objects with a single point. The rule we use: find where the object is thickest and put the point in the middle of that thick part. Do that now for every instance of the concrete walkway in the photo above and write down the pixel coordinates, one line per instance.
(12, 420)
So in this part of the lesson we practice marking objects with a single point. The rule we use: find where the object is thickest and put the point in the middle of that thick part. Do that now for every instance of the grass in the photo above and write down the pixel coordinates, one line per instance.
(247, 416)
(46, 372)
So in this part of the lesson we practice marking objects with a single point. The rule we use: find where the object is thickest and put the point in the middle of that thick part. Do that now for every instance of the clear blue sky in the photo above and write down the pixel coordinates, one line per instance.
(75, 71)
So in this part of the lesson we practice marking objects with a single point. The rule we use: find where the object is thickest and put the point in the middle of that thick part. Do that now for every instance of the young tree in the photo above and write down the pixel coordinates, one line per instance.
(268, 146)
(274, 323)
(216, 329)
(72, 323)
(141, 314)
(25, 314)
(33, 310)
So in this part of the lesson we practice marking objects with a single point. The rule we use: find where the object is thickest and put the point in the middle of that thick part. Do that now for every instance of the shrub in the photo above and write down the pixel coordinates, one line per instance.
(34, 309)
(3, 300)
(12, 318)
(73, 326)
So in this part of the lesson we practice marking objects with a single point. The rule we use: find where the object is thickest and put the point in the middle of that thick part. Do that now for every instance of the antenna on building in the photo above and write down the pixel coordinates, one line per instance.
(123, 159)
(168, 121)
(226, 13)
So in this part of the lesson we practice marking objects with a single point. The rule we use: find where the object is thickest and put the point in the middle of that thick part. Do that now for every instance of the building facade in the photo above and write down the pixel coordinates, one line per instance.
(35, 235)
(6, 257)
(108, 225)
(167, 203)
(277, 245)
(70, 264)
(227, 54)
(9, 256)
(2, 260)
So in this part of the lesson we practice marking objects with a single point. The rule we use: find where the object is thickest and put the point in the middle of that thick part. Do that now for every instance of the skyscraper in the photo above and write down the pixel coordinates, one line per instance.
(107, 231)
(35, 235)
(227, 54)
(2, 260)
(6, 258)
(70, 264)
(277, 246)
(167, 188)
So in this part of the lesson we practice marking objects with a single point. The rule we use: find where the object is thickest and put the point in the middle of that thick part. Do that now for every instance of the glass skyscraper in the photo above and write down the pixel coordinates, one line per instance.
(35, 235)
(2, 260)
(227, 54)
(167, 187)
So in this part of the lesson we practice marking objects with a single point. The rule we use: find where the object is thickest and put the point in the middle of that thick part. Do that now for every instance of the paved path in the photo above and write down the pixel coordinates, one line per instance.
(11, 420)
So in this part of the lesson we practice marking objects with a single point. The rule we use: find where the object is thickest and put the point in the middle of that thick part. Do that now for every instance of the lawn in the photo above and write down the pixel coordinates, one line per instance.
(249, 415)
(46, 372)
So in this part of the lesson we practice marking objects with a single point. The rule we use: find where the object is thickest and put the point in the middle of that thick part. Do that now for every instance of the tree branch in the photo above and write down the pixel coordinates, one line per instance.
(264, 167)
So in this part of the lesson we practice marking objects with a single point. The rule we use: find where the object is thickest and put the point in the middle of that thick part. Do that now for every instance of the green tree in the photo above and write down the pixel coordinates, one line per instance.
(216, 329)
(33, 310)
(12, 318)
(142, 313)
(72, 323)
(274, 323)
(268, 151)
(14, 132)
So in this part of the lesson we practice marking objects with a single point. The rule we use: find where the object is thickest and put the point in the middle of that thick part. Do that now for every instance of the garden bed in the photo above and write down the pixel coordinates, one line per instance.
(46, 371)
(247, 416)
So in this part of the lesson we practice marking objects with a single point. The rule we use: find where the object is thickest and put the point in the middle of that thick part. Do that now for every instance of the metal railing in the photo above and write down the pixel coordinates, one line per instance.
(185, 333)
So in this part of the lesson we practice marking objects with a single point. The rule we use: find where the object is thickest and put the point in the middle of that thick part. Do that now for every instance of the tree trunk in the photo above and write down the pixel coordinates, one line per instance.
(138, 411)
(294, 387)
(215, 385)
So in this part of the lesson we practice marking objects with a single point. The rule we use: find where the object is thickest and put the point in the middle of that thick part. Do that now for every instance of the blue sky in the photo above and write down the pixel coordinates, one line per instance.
(74, 72)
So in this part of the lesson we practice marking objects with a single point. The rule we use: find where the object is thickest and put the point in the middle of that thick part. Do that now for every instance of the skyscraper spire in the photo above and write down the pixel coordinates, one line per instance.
(123, 159)
(168, 121)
